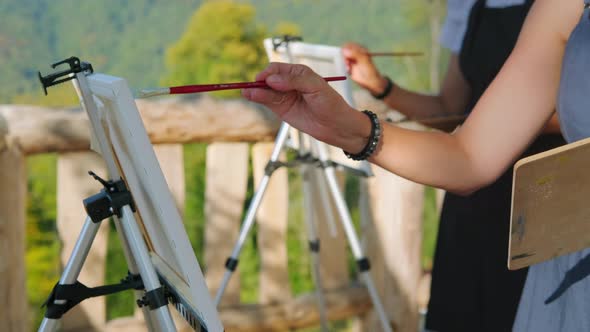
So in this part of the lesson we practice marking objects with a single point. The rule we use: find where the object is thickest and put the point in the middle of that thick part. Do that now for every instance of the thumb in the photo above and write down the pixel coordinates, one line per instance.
(296, 78)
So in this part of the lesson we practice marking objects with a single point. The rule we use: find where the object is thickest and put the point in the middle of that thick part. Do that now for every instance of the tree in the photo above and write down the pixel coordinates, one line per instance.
(222, 43)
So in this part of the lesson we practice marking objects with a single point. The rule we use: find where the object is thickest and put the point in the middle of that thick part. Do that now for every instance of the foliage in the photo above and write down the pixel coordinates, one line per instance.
(43, 246)
(130, 38)
(287, 28)
(121, 37)
(195, 156)
(222, 43)
(119, 304)
(57, 96)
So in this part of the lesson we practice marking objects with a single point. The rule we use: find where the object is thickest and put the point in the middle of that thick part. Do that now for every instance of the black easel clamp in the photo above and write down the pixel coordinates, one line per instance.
(363, 264)
(109, 201)
(155, 299)
(314, 246)
(231, 264)
(76, 66)
(284, 40)
(71, 295)
(272, 166)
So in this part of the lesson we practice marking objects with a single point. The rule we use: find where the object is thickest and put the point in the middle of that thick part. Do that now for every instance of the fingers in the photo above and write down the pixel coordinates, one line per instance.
(359, 63)
(354, 52)
(280, 68)
(354, 48)
(272, 68)
(266, 97)
(292, 77)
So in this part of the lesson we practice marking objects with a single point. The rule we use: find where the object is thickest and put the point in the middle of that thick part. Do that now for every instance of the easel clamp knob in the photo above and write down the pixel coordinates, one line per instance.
(76, 66)
(109, 201)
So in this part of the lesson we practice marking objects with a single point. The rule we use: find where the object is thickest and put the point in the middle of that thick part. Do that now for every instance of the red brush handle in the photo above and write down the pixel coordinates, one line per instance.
(215, 87)
(230, 86)
(395, 53)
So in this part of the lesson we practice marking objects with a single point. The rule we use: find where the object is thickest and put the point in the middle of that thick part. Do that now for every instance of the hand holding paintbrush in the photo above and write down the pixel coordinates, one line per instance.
(362, 69)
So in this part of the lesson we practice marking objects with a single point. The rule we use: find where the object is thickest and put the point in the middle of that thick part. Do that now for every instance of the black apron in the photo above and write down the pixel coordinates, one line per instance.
(472, 289)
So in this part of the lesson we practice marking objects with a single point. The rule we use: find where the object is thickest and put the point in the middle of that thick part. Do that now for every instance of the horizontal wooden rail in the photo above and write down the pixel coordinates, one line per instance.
(171, 120)
(297, 313)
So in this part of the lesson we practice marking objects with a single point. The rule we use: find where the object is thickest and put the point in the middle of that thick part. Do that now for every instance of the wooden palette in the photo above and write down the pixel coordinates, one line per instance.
(550, 205)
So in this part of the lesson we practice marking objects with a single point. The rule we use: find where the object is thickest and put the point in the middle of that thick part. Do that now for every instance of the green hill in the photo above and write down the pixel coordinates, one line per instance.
(128, 38)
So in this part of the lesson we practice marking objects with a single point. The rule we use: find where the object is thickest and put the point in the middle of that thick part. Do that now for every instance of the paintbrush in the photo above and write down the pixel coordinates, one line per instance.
(184, 89)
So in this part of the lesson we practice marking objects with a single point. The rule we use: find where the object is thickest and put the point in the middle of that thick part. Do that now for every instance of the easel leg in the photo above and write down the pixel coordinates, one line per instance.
(132, 236)
(132, 267)
(232, 261)
(147, 271)
(74, 266)
(314, 244)
(345, 218)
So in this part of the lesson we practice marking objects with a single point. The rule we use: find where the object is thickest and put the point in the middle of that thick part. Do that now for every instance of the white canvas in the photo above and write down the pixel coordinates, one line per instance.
(158, 217)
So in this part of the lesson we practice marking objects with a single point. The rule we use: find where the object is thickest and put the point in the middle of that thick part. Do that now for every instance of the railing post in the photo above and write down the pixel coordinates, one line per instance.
(13, 294)
(171, 159)
(392, 238)
(225, 192)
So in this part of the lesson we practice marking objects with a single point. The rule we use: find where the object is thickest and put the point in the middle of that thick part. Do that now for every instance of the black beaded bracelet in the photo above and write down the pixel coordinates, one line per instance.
(386, 91)
(371, 146)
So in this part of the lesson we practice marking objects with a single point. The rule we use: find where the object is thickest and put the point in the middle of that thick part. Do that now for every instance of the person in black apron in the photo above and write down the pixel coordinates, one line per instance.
(472, 289)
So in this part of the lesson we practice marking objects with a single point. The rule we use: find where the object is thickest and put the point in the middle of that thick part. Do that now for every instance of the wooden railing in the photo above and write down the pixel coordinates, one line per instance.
(391, 210)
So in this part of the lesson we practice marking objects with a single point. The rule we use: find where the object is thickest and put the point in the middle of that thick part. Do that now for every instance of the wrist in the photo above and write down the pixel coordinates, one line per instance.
(383, 89)
(367, 138)
(356, 135)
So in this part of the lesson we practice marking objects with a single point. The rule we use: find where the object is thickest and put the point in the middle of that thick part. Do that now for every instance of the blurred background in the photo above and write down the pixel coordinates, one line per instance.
(159, 42)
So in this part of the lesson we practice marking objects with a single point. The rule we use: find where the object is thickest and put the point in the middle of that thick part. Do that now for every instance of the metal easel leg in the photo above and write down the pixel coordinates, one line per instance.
(150, 319)
(232, 261)
(314, 249)
(362, 261)
(314, 241)
(73, 267)
(61, 298)
(248, 222)
(146, 268)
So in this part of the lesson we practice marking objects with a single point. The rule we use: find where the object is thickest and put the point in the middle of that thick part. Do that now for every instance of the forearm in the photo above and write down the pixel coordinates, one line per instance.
(450, 100)
(432, 158)
(417, 105)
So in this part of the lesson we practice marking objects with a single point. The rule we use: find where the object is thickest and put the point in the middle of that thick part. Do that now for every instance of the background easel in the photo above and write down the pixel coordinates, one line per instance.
(320, 188)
